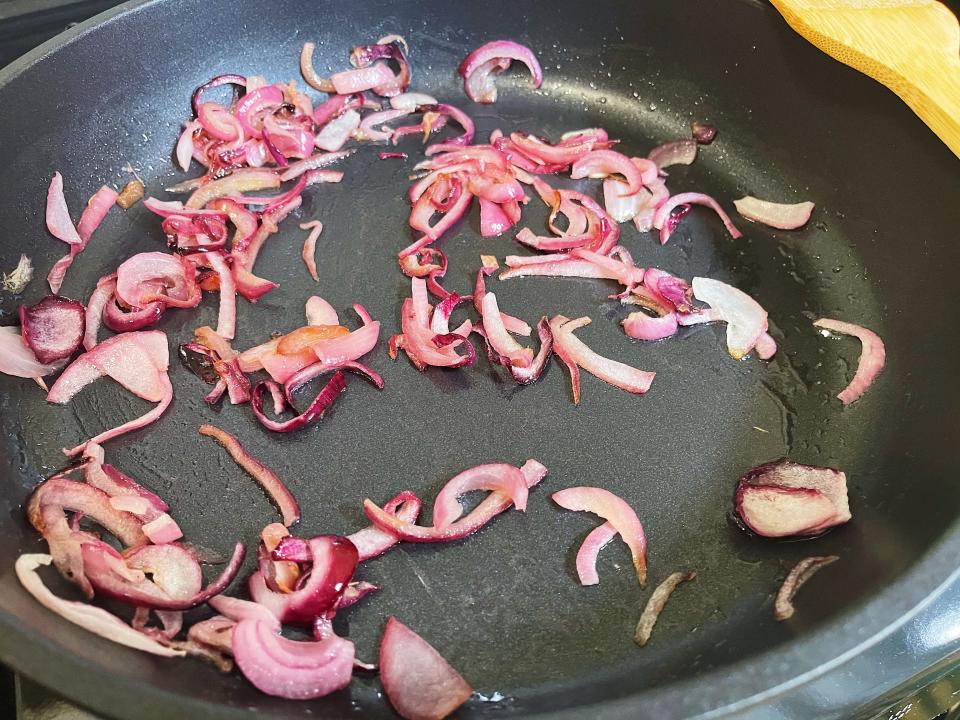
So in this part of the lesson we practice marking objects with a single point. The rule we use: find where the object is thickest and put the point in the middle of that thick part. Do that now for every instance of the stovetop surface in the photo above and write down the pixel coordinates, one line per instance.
(913, 674)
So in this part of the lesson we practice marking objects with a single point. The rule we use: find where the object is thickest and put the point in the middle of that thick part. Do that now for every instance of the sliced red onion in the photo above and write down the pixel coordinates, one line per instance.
(615, 511)
(766, 347)
(574, 350)
(53, 328)
(528, 375)
(647, 205)
(745, 317)
(236, 80)
(236, 183)
(334, 560)
(46, 511)
(291, 669)
(830, 482)
(778, 511)
(309, 74)
(602, 163)
(493, 220)
(355, 592)
(552, 158)
(227, 315)
(58, 216)
(496, 477)
(479, 68)
(872, 357)
(126, 320)
(325, 398)
(512, 324)
(656, 604)
(156, 276)
(494, 504)
(804, 570)
(162, 530)
(418, 682)
(458, 116)
(184, 150)
(335, 133)
(320, 312)
(777, 215)
(237, 610)
(598, 538)
(89, 617)
(359, 79)
(119, 486)
(392, 155)
(97, 207)
(216, 634)
(372, 541)
(265, 477)
(703, 133)
(499, 338)
(310, 247)
(315, 162)
(641, 326)
(666, 222)
(138, 361)
(679, 152)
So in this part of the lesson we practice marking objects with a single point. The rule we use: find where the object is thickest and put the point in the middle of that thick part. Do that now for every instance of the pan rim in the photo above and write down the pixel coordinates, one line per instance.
(732, 689)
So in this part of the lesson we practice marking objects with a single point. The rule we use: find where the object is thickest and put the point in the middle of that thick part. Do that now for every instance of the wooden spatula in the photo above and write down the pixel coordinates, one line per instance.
(911, 46)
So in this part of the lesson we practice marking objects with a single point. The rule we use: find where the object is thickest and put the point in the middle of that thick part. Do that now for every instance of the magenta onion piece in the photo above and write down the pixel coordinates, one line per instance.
(334, 560)
(745, 317)
(498, 477)
(157, 276)
(663, 219)
(480, 66)
(641, 326)
(598, 538)
(766, 347)
(96, 306)
(499, 338)
(418, 682)
(123, 320)
(320, 312)
(831, 483)
(656, 603)
(310, 247)
(236, 610)
(777, 215)
(184, 149)
(236, 80)
(494, 504)
(572, 350)
(58, 216)
(372, 541)
(335, 133)
(325, 398)
(53, 328)
(163, 529)
(602, 163)
(288, 668)
(777, 511)
(93, 214)
(138, 361)
(265, 477)
(679, 152)
(872, 357)
(615, 511)
(89, 617)
(315, 162)
(804, 570)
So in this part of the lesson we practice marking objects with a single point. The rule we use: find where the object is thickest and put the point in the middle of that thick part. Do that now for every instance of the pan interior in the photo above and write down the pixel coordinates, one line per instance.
(504, 606)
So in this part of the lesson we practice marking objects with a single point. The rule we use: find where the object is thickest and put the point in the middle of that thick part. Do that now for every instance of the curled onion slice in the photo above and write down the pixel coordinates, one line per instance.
(573, 351)
(745, 317)
(656, 603)
(872, 357)
(265, 477)
(18, 360)
(615, 511)
(596, 540)
(480, 67)
(499, 477)
(666, 222)
(372, 541)
(778, 215)
(801, 572)
(89, 617)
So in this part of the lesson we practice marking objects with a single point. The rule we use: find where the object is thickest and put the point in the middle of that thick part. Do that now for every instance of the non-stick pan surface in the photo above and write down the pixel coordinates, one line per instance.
(504, 606)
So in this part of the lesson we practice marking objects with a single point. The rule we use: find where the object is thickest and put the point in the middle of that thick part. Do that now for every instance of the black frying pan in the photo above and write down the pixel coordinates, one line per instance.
(504, 606)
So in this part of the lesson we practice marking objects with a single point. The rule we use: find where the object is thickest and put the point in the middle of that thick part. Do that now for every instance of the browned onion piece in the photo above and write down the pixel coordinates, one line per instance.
(804, 570)
(267, 479)
(656, 604)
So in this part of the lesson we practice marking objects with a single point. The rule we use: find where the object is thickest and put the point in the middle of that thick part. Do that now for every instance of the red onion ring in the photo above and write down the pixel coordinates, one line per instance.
(317, 408)
(871, 362)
